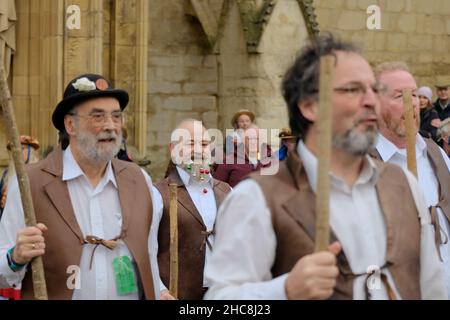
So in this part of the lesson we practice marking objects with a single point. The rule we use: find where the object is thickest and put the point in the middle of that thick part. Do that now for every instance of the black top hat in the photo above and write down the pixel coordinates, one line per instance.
(84, 87)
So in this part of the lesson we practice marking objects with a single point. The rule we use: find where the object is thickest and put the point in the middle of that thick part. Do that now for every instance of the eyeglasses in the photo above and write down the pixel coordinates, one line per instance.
(357, 90)
(100, 118)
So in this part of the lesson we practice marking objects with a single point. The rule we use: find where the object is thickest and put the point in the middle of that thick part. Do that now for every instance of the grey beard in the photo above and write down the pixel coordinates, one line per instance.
(88, 146)
(355, 143)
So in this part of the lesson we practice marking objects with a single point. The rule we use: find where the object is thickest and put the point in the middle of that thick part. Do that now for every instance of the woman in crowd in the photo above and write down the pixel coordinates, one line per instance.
(429, 118)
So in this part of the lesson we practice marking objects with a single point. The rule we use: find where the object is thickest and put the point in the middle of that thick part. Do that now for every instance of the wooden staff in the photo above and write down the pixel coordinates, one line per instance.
(411, 131)
(173, 214)
(37, 267)
(322, 240)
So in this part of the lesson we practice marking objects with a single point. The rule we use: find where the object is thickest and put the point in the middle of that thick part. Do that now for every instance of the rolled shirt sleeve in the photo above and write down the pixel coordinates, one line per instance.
(12, 220)
(153, 236)
(157, 215)
(244, 252)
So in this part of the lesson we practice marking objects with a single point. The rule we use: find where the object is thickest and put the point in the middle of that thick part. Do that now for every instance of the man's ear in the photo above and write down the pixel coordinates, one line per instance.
(309, 109)
(174, 150)
(69, 125)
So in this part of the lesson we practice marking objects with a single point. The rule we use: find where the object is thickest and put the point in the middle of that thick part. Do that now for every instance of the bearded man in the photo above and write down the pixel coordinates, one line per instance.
(433, 165)
(95, 212)
(382, 241)
(199, 197)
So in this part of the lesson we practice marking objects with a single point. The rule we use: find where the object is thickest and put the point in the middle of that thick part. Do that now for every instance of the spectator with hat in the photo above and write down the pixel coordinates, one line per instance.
(429, 118)
(241, 121)
(287, 143)
(248, 156)
(444, 136)
(94, 212)
(30, 146)
(442, 104)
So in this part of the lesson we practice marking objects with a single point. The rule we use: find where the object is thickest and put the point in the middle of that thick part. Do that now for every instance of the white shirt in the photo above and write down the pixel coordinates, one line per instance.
(444, 106)
(238, 135)
(98, 212)
(427, 182)
(240, 266)
(206, 206)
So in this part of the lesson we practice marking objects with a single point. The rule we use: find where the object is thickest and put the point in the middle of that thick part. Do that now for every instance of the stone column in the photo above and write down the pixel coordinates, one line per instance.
(83, 48)
(37, 77)
(128, 67)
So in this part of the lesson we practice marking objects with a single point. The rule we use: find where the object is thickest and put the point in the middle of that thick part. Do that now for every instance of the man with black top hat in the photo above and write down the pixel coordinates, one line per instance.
(95, 212)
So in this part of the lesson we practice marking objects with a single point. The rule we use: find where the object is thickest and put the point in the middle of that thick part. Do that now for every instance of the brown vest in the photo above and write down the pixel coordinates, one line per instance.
(441, 172)
(64, 239)
(292, 204)
(442, 175)
(191, 237)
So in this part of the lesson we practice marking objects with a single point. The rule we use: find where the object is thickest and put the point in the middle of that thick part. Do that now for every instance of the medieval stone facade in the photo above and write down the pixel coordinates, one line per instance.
(201, 59)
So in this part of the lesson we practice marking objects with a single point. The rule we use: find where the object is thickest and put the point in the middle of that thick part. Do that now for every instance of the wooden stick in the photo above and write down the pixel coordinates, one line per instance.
(173, 214)
(411, 131)
(37, 267)
(322, 240)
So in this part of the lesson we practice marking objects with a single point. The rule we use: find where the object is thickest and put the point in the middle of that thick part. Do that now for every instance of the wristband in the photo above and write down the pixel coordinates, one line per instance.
(14, 266)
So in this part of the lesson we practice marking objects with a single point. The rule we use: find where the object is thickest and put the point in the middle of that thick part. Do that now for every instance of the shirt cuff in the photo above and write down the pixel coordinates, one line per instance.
(9, 277)
(279, 287)
(266, 290)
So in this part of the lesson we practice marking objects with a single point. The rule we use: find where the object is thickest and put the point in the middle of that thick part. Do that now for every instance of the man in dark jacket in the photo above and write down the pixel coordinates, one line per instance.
(442, 104)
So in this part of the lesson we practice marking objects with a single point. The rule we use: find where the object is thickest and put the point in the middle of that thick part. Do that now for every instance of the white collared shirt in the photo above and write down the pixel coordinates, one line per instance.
(427, 182)
(244, 253)
(205, 202)
(444, 106)
(98, 213)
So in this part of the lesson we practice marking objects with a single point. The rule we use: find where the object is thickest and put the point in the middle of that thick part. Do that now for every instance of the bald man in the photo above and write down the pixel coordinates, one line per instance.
(199, 196)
